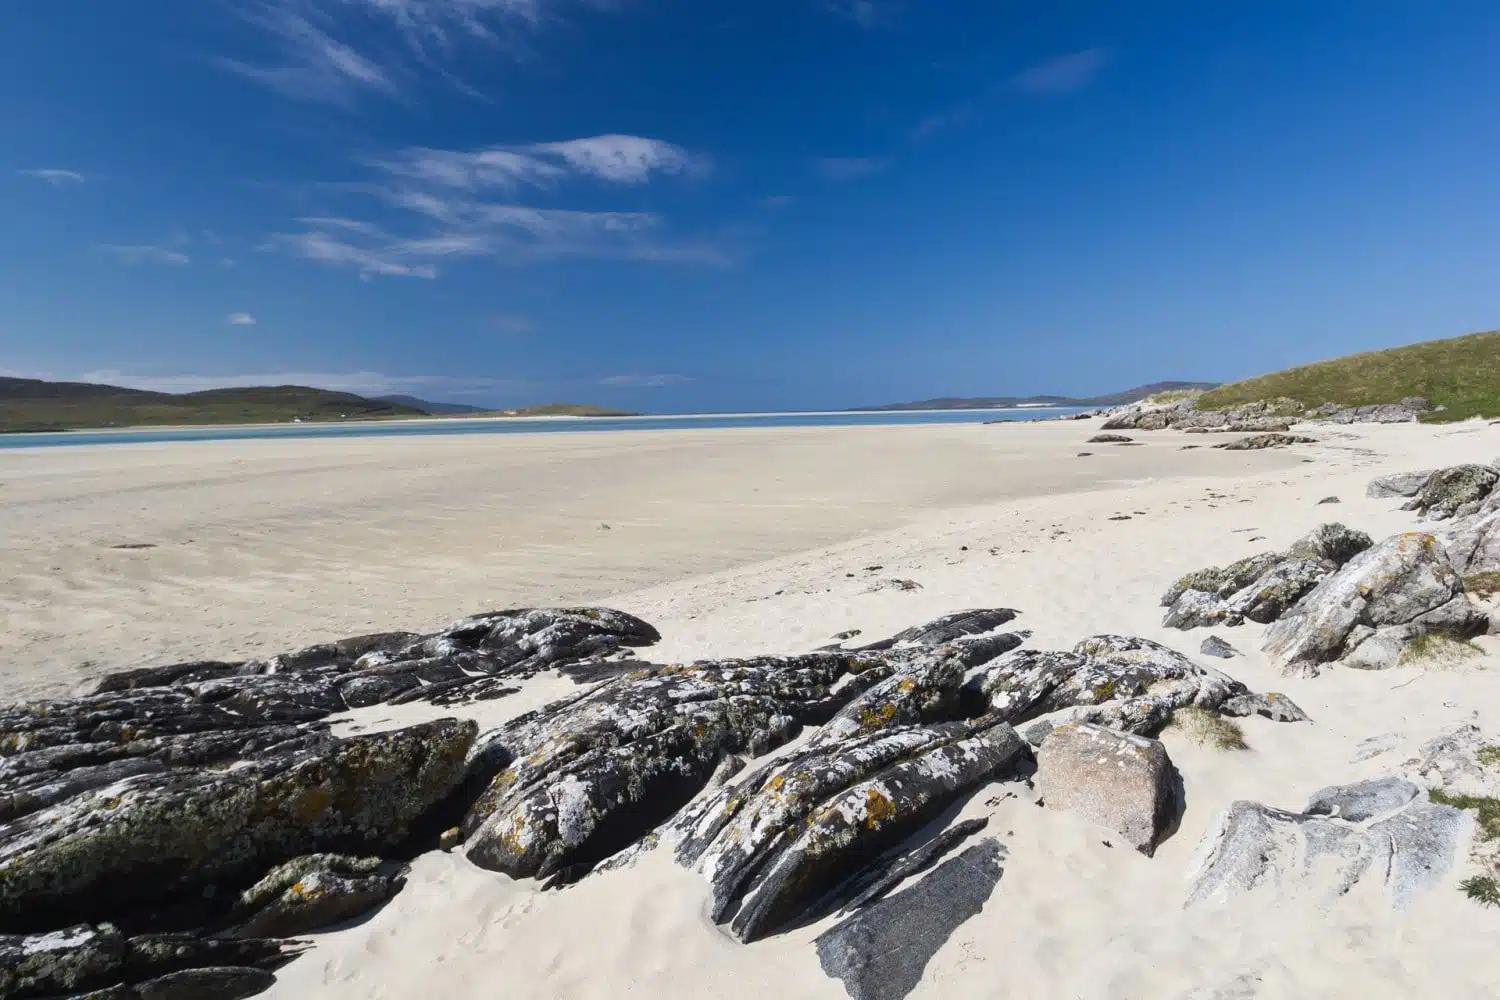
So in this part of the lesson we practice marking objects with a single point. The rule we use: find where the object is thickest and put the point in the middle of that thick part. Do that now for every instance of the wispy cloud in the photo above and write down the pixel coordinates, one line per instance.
(316, 61)
(144, 254)
(445, 196)
(865, 13)
(314, 66)
(618, 159)
(644, 381)
(240, 319)
(510, 324)
(1063, 74)
(849, 168)
(363, 383)
(54, 176)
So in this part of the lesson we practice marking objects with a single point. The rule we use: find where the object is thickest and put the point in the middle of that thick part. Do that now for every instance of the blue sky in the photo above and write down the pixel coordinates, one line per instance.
(678, 205)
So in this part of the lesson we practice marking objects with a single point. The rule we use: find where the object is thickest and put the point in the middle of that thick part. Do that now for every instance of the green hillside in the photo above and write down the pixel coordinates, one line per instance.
(568, 410)
(1461, 374)
(36, 405)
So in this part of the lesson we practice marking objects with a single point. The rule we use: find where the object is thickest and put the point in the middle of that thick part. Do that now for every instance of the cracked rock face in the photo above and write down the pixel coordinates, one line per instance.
(1387, 595)
(1260, 588)
(1383, 832)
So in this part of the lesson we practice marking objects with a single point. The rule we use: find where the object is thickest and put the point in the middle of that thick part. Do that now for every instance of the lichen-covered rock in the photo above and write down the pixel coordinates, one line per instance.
(156, 838)
(1474, 542)
(1404, 581)
(881, 952)
(218, 983)
(312, 892)
(1262, 587)
(948, 629)
(1122, 682)
(1453, 492)
(1256, 847)
(1117, 780)
(843, 831)
(1398, 484)
(1271, 705)
(1260, 442)
(1451, 761)
(1363, 800)
(1214, 646)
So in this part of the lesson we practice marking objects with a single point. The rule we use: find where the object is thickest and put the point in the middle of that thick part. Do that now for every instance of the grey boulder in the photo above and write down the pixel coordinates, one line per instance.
(1119, 781)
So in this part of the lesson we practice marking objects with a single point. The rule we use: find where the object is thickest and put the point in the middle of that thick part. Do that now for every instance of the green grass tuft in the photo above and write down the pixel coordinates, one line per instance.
(1489, 756)
(1487, 808)
(1461, 374)
(1437, 650)
(1208, 729)
(1482, 889)
(1482, 584)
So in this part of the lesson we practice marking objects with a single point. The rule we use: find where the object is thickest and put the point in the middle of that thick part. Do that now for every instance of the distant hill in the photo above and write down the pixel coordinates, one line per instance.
(1461, 374)
(1006, 402)
(436, 409)
(567, 410)
(36, 405)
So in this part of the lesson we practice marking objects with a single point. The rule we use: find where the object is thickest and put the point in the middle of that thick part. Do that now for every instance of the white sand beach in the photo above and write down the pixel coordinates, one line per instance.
(736, 542)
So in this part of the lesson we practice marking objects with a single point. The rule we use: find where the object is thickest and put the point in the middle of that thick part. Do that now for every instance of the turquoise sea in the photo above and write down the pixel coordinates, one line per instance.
(566, 425)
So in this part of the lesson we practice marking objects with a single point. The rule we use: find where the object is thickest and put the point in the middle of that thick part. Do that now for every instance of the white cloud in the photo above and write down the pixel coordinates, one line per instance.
(618, 159)
(849, 168)
(240, 319)
(363, 383)
(54, 176)
(315, 66)
(643, 381)
(1063, 74)
(144, 254)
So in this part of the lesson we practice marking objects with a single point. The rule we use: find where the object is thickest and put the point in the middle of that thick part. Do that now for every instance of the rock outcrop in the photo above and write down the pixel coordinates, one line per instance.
(1370, 609)
(1385, 832)
(1120, 781)
(1260, 442)
(1260, 588)
(1259, 416)
(1467, 498)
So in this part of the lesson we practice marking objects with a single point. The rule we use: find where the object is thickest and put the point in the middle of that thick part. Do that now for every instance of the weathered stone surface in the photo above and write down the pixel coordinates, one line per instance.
(1453, 492)
(947, 629)
(1122, 682)
(1395, 583)
(1450, 761)
(1260, 442)
(312, 892)
(881, 951)
(156, 838)
(1252, 846)
(1398, 484)
(1271, 705)
(1120, 781)
(219, 983)
(890, 870)
(843, 831)
(1474, 542)
(1109, 439)
(1262, 587)
(1363, 800)
(1214, 646)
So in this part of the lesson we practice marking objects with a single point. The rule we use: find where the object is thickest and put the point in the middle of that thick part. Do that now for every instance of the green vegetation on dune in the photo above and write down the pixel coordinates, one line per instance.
(567, 410)
(35, 405)
(1461, 374)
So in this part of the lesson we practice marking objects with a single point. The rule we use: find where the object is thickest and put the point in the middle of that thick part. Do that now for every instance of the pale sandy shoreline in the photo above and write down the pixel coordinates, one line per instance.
(761, 542)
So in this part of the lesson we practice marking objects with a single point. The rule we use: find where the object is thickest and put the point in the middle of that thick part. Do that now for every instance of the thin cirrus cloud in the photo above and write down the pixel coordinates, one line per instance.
(240, 319)
(644, 381)
(1063, 74)
(446, 204)
(144, 253)
(315, 61)
(849, 168)
(54, 176)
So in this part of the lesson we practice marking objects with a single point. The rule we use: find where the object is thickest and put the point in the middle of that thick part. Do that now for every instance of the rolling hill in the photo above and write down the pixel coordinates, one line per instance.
(1005, 402)
(1460, 374)
(434, 408)
(37, 405)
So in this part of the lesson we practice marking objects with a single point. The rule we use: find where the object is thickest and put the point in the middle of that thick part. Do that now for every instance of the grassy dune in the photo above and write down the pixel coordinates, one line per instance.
(1461, 374)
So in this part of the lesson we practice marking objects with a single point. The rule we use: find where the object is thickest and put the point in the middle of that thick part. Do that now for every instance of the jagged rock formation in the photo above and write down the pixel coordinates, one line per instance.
(1120, 781)
(1383, 831)
(1260, 442)
(1260, 588)
(1367, 612)
(1260, 416)
(1463, 495)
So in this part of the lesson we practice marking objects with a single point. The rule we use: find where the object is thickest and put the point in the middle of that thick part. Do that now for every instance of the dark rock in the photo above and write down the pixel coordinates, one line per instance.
(312, 892)
(1262, 441)
(154, 839)
(223, 983)
(976, 621)
(1271, 705)
(1454, 492)
(1109, 439)
(881, 952)
(1329, 500)
(890, 871)
(1214, 646)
